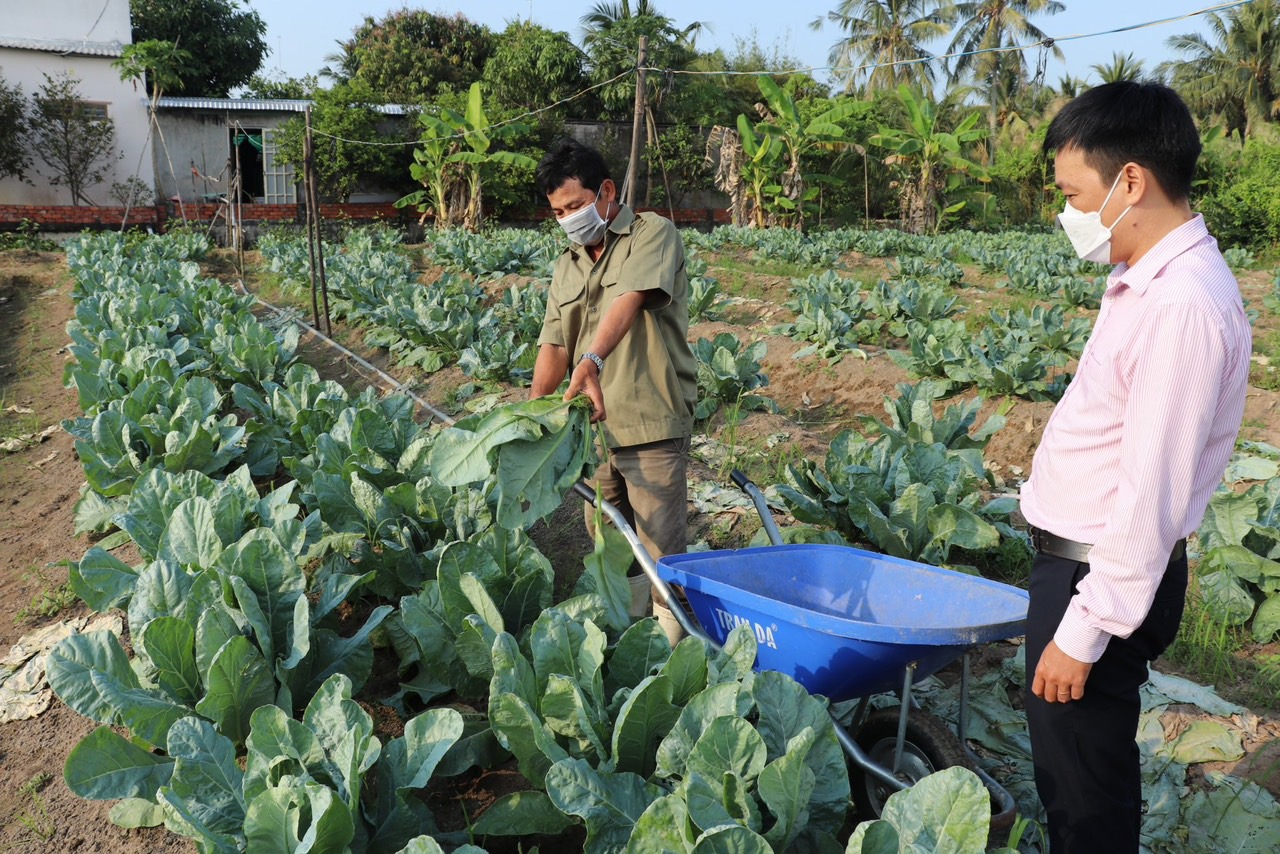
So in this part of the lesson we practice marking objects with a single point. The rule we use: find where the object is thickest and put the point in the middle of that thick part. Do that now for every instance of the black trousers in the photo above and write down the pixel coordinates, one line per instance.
(1085, 752)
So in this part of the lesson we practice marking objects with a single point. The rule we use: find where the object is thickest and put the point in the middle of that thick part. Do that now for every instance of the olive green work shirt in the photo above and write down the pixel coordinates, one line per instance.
(650, 378)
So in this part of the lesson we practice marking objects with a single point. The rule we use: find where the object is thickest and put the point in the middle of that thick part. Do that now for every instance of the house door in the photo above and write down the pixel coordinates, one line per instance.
(246, 150)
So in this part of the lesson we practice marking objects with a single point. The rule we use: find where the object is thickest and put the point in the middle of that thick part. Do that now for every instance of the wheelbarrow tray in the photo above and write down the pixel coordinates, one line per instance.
(841, 621)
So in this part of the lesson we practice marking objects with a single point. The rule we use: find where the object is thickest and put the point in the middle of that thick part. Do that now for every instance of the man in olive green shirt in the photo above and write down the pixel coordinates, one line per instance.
(618, 318)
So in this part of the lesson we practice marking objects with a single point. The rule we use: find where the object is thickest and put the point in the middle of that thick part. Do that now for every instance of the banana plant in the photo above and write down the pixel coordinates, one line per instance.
(929, 159)
(454, 151)
(799, 138)
(763, 155)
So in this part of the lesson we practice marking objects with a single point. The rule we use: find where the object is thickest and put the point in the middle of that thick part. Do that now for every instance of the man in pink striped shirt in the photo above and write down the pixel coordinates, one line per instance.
(1130, 456)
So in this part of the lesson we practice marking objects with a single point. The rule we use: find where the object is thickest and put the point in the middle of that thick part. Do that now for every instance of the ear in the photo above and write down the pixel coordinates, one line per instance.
(1135, 183)
(608, 192)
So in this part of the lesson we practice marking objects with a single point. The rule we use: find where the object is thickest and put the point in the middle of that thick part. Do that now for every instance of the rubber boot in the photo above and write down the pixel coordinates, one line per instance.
(667, 620)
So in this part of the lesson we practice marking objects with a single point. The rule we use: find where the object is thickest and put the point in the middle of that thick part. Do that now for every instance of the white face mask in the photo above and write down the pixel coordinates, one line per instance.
(1089, 237)
(585, 226)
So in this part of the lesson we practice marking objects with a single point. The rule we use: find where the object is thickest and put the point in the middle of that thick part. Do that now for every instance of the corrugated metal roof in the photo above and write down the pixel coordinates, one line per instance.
(64, 46)
(266, 105)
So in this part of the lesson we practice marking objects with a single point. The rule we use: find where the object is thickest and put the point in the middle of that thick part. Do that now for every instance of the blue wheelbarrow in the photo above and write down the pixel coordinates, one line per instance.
(849, 624)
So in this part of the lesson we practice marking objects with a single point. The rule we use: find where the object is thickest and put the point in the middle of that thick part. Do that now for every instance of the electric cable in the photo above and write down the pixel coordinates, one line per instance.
(465, 134)
(1046, 42)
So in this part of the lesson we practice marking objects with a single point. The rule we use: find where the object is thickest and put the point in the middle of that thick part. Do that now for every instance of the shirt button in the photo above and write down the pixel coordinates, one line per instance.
(593, 311)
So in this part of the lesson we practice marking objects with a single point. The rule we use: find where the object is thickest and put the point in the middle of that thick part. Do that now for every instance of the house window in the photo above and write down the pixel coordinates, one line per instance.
(263, 177)
(75, 111)
(280, 186)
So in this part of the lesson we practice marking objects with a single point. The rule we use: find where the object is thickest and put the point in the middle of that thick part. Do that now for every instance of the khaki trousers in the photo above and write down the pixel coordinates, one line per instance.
(649, 485)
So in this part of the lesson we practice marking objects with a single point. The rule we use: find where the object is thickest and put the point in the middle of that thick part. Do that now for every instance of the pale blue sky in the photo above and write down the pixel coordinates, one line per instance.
(301, 32)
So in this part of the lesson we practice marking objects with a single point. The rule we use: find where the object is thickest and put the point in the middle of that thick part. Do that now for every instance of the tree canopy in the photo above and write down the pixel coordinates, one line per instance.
(411, 55)
(227, 43)
(14, 157)
(534, 67)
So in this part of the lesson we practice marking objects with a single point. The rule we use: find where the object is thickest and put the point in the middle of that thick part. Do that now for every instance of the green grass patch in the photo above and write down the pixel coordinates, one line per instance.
(764, 267)
(1213, 652)
(1265, 372)
(15, 420)
(35, 818)
(49, 600)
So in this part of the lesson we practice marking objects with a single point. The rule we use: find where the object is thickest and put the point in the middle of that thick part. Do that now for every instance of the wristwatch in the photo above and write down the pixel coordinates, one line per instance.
(593, 357)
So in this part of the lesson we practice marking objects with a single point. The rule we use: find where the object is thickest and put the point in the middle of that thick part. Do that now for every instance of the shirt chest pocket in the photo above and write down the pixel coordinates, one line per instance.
(1102, 376)
(601, 294)
(571, 294)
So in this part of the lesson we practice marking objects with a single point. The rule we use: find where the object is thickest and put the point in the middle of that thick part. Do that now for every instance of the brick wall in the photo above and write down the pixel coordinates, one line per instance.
(67, 218)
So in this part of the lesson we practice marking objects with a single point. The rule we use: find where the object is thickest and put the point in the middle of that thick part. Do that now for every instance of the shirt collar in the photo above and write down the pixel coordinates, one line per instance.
(1173, 244)
(621, 224)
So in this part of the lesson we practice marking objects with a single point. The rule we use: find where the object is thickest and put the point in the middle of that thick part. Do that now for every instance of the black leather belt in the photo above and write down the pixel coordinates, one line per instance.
(1051, 544)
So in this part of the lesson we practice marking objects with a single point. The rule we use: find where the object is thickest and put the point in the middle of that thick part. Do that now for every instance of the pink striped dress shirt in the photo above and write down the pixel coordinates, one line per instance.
(1140, 440)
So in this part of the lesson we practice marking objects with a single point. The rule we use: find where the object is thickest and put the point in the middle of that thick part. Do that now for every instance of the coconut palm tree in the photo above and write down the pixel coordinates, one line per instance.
(611, 36)
(1121, 67)
(1234, 71)
(603, 17)
(884, 42)
(1069, 87)
(984, 28)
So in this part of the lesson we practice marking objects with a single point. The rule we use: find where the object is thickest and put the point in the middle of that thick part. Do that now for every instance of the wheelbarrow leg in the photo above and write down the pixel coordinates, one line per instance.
(860, 758)
(1008, 807)
(905, 708)
(860, 714)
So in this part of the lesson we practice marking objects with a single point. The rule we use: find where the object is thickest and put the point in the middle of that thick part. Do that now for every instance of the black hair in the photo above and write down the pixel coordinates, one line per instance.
(567, 158)
(1131, 122)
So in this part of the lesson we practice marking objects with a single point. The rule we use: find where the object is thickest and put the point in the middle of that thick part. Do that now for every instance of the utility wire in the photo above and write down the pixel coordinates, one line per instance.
(1046, 42)
(465, 134)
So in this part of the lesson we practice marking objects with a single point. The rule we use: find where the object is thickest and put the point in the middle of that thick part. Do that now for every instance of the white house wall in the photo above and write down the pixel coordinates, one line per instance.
(197, 144)
(63, 21)
(67, 20)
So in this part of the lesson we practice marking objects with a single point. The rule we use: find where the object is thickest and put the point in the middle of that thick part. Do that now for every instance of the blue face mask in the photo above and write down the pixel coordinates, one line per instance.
(585, 226)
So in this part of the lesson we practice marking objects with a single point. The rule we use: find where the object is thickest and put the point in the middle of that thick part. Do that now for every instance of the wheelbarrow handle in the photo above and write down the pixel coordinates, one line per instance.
(646, 561)
(762, 505)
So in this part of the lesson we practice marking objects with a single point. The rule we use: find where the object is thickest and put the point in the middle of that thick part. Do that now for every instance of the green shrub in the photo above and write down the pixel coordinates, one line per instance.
(1244, 208)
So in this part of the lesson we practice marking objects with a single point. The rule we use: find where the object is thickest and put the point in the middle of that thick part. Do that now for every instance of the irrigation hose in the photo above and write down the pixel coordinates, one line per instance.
(395, 384)
(581, 487)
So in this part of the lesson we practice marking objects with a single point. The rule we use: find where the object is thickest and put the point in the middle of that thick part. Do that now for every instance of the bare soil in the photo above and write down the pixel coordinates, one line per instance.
(39, 487)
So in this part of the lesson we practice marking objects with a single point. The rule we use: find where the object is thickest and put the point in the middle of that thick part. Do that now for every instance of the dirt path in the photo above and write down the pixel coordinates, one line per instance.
(39, 487)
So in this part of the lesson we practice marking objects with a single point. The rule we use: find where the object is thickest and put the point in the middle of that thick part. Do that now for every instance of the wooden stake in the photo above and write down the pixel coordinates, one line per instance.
(313, 200)
(306, 195)
(637, 128)
(239, 214)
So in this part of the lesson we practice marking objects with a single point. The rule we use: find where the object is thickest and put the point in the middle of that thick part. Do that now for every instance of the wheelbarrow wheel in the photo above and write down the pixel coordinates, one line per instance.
(930, 745)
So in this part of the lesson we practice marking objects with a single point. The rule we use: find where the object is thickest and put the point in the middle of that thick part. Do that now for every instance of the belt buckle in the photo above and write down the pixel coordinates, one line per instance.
(1035, 534)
